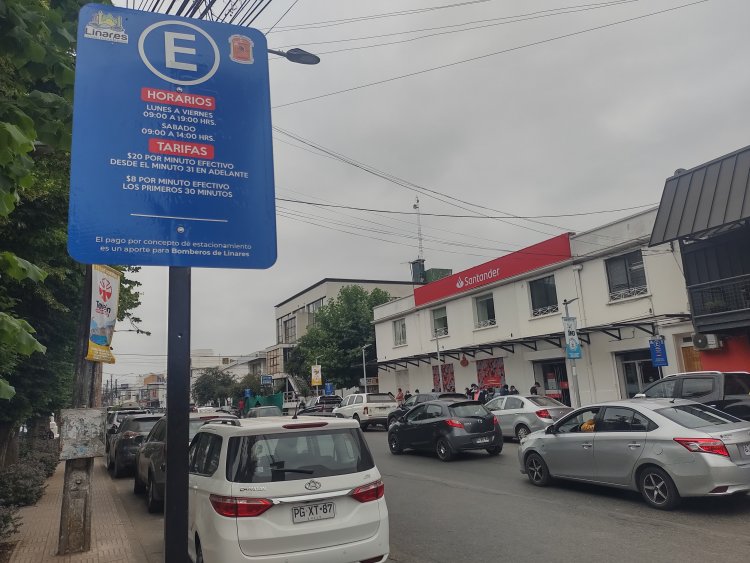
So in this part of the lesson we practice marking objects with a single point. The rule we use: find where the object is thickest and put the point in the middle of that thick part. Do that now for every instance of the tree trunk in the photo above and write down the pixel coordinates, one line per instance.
(8, 443)
(38, 431)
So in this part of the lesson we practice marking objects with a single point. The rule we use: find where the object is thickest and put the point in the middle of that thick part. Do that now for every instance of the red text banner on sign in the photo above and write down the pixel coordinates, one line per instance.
(519, 262)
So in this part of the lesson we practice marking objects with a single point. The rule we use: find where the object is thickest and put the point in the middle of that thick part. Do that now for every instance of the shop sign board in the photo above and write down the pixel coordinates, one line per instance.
(658, 352)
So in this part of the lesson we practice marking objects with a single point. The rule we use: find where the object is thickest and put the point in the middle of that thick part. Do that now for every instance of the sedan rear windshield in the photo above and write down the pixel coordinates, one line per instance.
(469, 409)
(737, 383)
(297, 455)
(380, 398)
(545, 402)
(697, 416)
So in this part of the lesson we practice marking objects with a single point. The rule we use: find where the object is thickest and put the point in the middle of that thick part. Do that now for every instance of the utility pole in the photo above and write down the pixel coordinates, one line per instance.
(440, 364)
(75, 515)
(573, 371)
(364, 369)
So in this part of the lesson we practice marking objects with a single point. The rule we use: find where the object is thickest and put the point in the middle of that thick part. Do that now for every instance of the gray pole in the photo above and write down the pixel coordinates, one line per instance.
(440, 365)
(364, 369)
(573, 371)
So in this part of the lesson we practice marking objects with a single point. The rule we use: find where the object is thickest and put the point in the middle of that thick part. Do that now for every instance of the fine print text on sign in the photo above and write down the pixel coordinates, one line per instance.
(172, 158)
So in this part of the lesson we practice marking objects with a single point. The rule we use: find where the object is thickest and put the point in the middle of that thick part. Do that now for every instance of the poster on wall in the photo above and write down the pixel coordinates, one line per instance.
(491, 372)
(105, 295)
(449, 378)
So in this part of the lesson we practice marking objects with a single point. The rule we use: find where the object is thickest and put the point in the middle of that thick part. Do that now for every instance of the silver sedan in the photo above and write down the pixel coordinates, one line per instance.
(664, 448)
(520, 415)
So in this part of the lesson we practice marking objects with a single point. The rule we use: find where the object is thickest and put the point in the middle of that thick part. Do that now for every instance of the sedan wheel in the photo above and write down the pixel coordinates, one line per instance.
(537, 470)
(152, 504)
(443, 450)
(198, 553)
(138, 486)
(658, 489)
(394, 444)
(522, 431)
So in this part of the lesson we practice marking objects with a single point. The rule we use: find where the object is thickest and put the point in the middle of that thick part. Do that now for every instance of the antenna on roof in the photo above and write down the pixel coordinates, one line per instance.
(419, 229)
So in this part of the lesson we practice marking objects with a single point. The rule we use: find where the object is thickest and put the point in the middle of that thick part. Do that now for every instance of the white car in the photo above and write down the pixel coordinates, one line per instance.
(367, 408)
(279, 489)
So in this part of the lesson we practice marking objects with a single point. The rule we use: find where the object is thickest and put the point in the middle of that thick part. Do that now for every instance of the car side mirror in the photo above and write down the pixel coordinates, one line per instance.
(550, 429)
(640, 396)
(401, 419)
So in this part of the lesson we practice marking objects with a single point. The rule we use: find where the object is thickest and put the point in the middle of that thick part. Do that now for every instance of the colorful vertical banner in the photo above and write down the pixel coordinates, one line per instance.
(572, 344)
(105, 295)
(316, 378)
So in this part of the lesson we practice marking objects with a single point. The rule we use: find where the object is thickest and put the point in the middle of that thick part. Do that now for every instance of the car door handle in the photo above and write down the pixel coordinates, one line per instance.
(587, 445)
(634, 445)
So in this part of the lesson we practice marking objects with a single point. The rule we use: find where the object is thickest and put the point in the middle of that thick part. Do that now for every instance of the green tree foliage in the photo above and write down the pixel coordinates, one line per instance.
(251, 382)
(37, 45)
(214, 386)
(342, 327)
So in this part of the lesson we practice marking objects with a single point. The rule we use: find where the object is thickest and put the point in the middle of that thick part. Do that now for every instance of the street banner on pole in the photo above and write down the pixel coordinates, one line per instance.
(658, 352)
(172, 154)
(105, 294)
(316, 376)
(572, 344)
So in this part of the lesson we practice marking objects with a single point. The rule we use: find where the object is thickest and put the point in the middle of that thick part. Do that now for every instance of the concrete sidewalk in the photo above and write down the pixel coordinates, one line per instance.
(113, 537)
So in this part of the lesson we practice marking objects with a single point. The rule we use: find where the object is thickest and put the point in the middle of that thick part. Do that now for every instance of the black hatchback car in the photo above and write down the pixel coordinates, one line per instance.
(446, 426)
(418, 399)
(126, 441)
(726, 391)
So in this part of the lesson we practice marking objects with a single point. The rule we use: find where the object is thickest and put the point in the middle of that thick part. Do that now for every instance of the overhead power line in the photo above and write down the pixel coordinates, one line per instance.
(394, 212)
(495, 53)
(289, 9)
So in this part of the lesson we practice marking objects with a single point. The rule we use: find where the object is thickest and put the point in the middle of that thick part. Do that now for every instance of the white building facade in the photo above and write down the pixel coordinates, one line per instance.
(501, 322)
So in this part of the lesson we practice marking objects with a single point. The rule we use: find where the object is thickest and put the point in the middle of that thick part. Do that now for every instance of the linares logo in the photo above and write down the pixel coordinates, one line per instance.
(106, 27)
(469, 281)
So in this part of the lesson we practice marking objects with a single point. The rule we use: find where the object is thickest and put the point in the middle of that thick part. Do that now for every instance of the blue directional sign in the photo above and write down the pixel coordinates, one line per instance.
(172, 158)
(658, 352)
(328, 389)
(266, 379)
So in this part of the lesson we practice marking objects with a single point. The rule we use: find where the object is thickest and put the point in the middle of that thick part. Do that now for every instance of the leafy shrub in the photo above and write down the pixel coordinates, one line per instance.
(46, 460)
(21, 484)
(9, 522)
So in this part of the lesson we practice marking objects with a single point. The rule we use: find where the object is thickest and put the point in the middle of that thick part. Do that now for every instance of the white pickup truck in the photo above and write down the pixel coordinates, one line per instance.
(367, 408)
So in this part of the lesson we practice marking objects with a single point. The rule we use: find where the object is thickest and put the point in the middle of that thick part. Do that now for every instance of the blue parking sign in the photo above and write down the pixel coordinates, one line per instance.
(172, 155)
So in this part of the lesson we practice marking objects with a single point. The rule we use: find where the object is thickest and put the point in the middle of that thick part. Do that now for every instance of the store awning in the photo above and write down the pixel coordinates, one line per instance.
(647, 326)
(705, 200)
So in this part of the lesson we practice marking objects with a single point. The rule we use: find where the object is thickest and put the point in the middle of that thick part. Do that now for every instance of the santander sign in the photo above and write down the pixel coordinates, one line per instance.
(516, 263)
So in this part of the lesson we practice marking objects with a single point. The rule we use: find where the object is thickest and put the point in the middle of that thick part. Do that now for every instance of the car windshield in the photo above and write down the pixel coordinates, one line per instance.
(332, 400)
(380, 398)
(544, 402)
(696, 416)
(297, 455)
(737, 383)
(469, 409)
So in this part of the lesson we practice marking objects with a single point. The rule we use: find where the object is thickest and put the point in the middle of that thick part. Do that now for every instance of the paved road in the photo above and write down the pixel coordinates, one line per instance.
(479, 508)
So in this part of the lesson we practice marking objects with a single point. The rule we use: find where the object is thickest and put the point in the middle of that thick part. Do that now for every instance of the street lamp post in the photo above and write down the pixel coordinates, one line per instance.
(296, 55)
(573, 370)
(364, 369)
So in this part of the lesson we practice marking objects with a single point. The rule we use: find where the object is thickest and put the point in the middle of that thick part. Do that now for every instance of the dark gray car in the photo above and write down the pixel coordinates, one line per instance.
(126, 441)
(151, 457)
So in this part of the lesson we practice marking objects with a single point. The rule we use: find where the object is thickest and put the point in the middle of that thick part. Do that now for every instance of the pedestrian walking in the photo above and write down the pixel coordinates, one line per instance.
(467, 393)
(400, 397)
(534, 388)
(513, 390)
(504, 390)
(407, 395)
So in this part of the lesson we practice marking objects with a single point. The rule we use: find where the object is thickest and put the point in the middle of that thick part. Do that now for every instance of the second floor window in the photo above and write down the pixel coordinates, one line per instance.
(399, 332)
(312, 308)
(543, 296)
(485, 311)
(439, 322)
(626, 276)
(290, 330)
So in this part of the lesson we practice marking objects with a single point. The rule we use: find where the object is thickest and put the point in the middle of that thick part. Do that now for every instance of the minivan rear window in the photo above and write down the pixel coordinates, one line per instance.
(696, 416)
(292, 456)
(380, 398)
(737, 383)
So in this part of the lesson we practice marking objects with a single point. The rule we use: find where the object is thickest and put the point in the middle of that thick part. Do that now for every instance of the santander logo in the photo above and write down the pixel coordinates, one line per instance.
(477, 279)
(460, 283)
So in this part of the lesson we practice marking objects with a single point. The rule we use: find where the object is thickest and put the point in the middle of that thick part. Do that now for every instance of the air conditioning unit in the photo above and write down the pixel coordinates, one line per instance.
(706, 341)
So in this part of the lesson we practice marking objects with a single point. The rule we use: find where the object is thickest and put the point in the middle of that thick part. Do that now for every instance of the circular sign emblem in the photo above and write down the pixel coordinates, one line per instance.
(105, 290)
(185, 50)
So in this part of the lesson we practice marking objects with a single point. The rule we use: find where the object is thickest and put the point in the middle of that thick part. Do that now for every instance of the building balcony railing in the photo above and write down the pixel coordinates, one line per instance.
(440, 332)
(628, 292)
(548, 310)
(485, 323)
(723, 296)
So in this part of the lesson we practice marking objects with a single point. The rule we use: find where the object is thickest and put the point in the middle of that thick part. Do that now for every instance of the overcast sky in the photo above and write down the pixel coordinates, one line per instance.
(591, 122)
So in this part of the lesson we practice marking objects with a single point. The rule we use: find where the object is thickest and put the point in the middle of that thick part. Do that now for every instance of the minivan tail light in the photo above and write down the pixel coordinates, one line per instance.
(369, 492)
(704, 445)
(543, 413)
(454, 423)
(494, 421)
(239, 507)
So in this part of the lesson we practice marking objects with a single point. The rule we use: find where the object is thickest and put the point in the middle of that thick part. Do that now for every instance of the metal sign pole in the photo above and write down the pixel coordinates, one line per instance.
(178, 400)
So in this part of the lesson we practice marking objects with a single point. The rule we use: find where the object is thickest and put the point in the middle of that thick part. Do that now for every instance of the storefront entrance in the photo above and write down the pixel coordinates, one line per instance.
(553, 375)
(636, 371)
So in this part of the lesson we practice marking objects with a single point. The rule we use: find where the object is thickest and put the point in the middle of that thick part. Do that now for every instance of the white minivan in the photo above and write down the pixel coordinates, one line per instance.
(279, 489)
(367, 408)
